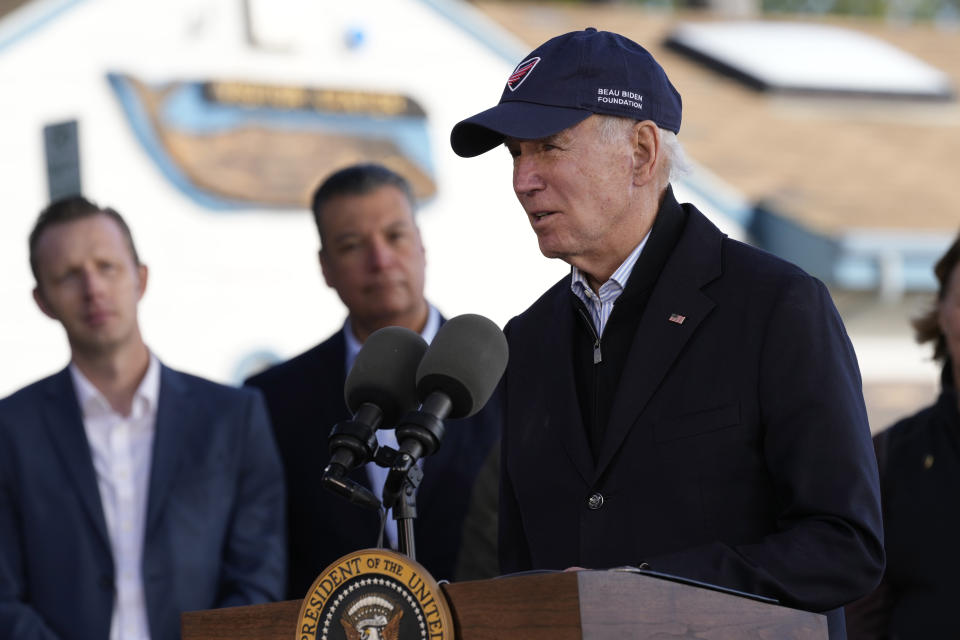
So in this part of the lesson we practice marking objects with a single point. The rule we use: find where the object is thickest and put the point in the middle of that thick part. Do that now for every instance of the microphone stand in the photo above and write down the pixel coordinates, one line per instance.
(405, 512)
(420, 433)
(354, 441)
(400, 494)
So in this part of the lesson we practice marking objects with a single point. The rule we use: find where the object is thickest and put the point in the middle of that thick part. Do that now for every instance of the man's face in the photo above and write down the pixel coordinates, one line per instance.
(372, 255)
(575, 188)
(88, 281)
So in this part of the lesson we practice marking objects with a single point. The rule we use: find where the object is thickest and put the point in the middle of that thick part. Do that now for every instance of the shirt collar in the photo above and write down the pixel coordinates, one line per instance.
(93, 403)
(353, 345)
(579, 283)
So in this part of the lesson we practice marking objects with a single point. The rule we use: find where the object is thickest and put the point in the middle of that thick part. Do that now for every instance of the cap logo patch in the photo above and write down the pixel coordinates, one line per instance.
(521, 72)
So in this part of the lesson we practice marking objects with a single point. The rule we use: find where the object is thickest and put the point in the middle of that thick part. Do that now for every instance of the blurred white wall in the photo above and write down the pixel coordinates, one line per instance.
(226, 284)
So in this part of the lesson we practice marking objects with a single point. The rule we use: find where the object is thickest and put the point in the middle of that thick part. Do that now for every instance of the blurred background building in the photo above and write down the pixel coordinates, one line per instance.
(824, 131)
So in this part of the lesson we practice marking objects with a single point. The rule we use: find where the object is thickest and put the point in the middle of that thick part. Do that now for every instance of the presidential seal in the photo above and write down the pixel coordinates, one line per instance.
(374, 594)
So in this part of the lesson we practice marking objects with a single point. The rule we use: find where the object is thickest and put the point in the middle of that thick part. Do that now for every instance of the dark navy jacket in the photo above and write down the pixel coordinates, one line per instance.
(736, 452)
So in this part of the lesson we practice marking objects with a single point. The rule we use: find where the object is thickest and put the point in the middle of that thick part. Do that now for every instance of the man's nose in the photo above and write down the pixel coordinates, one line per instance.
(93, 283)
(380, 254)
(526, 176)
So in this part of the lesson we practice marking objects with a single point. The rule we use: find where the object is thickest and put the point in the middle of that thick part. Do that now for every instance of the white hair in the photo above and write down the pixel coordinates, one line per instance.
(677, 159)
(611, 127)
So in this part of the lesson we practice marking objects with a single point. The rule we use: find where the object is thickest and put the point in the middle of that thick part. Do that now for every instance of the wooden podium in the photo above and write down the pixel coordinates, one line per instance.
(593, 605)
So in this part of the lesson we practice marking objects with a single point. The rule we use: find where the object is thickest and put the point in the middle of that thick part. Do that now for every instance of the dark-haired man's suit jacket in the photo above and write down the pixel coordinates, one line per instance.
(305, 399)
(737, 450)
(215, 523)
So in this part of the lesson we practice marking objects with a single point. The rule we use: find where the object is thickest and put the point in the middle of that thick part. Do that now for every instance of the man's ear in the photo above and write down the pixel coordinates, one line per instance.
(423, 248)
(42, 303)
(646, 151)
(142, 273)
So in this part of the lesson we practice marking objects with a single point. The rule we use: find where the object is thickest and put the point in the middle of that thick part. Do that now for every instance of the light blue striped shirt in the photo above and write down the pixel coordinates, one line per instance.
(600, 304)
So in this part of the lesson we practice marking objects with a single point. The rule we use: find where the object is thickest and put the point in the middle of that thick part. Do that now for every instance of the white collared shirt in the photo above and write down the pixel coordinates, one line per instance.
(121, 448)
(600, 304)
(386, 437)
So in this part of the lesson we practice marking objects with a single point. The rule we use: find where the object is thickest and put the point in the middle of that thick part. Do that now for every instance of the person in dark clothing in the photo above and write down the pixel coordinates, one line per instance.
(372, 255)
(919, 460)
(680, 401)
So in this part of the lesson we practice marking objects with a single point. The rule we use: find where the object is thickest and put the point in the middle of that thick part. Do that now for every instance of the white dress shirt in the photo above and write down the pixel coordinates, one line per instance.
(121, 448)
(386, 437)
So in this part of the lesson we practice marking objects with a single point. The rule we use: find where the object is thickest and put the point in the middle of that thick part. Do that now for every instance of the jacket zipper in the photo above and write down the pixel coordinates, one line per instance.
(597, 355)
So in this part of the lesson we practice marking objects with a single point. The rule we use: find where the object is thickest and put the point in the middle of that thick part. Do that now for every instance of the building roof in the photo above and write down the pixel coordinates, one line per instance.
(6, 6)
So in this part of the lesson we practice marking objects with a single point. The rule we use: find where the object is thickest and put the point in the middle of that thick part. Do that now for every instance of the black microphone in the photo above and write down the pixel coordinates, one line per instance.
(456, 377)
(379, 389)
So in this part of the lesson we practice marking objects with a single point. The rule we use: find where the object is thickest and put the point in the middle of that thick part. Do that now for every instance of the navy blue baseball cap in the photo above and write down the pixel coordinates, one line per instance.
(567, 79)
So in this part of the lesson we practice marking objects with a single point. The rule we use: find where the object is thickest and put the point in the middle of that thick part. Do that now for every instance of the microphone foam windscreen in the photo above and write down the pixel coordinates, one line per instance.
(465, 361)
(384, 373)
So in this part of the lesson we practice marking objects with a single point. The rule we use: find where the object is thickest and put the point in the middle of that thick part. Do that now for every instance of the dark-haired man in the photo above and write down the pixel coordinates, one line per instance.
(129, 492)
(372, 255)
(681, 401)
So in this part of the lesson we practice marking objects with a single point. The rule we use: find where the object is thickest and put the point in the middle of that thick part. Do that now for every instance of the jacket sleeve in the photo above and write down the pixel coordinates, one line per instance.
(869, 617)
(826, 546)
(254, 562)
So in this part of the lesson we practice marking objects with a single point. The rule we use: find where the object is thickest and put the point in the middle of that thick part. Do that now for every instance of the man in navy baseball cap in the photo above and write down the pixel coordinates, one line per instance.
(680, 401)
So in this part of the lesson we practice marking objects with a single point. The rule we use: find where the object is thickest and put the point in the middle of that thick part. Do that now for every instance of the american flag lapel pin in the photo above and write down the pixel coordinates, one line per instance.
(676, 318)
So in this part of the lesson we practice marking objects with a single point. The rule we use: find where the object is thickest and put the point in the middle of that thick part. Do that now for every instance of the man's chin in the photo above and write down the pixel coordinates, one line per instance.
(390, 315)
(98, 343)
(549, 251)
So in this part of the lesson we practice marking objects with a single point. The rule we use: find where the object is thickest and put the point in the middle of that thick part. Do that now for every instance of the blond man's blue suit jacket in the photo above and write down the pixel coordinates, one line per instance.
(215, 517)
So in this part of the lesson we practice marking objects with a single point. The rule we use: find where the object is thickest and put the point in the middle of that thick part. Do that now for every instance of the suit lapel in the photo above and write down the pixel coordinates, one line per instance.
(675, 310)
(175, 416)
(64, 424)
